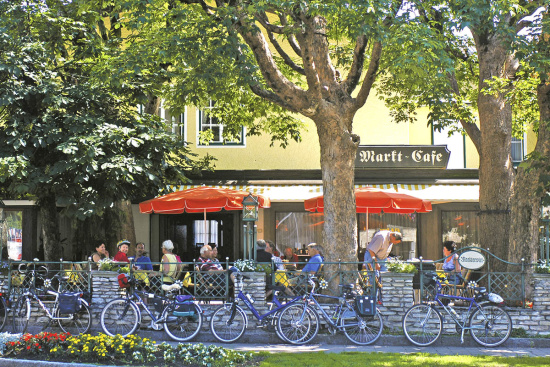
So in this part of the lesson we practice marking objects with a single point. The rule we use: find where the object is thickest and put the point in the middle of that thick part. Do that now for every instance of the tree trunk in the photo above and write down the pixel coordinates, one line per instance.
(529, 189)
(119, 225)
(50, 228)
(495, 164)
(338, 151)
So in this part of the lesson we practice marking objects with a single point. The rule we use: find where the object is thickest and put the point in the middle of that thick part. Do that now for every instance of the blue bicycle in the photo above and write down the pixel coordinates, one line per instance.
(489, 324)
(228, 323)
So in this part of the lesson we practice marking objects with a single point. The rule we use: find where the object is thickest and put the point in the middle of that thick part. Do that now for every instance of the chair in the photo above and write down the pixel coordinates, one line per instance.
(459, 289)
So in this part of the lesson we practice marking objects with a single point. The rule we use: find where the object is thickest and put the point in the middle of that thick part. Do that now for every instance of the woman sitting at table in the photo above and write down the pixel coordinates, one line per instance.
(171, 267)
(99, 254)
(451, 267)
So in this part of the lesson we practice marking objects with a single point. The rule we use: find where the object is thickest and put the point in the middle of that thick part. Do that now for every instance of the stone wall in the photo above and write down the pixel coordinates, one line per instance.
(397, 297)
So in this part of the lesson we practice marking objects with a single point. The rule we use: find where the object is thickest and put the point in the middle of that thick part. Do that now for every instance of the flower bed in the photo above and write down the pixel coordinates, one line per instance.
(119, 351)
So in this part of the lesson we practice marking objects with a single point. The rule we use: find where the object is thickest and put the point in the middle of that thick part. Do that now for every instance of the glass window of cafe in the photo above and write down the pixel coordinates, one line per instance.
(462, 227)
(12, 234)
(296, 230)
(402, 223)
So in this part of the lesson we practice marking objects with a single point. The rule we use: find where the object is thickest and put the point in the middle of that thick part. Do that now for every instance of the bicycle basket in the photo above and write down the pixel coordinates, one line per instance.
(365, 305)
(184, 306)
(123, 281)
(69, 303)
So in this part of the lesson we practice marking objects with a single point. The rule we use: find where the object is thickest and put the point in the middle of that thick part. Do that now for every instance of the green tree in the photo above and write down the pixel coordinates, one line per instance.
(67, 140)
(473, 45)
(264, 62)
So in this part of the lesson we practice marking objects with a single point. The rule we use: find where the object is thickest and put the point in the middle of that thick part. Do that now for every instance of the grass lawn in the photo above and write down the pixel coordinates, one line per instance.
(361, 359)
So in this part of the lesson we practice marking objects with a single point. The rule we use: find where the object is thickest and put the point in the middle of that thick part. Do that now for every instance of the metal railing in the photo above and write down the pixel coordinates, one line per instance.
(217, 285)
(508, 284)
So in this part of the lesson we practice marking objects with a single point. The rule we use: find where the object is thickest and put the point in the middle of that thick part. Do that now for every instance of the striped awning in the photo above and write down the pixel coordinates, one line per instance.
(436, 193)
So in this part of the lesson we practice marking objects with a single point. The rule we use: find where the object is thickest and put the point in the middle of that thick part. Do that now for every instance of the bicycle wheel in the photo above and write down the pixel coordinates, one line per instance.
(3, 313)
(362, 330)
(181, 328)
(77, 323)
(298, 324)
(120, 316)
(490, 325)
(21, 313)
(226, 325)
(422, 325)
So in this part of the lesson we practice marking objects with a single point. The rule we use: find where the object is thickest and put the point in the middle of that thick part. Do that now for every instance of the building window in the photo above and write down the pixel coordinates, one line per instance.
(517, 150)
(402, 223)
(462, 227)
(209, 123)
(177, 121)
(296, 230)
(206, 232)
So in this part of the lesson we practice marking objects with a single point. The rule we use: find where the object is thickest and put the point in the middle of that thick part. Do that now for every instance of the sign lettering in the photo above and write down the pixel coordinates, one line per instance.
(402, 156)
(472, 260)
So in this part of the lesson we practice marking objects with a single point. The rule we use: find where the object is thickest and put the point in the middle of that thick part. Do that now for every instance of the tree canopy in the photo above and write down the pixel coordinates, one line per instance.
(68, 140)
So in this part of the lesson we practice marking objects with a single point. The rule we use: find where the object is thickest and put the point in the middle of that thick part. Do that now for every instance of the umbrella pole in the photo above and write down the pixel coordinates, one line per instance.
(206, 239)
(367, 226)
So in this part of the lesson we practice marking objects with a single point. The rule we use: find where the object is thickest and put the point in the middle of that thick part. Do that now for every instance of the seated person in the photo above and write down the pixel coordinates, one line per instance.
(122, 254)
(142, 262)
(262, 256)
(214, 258)
(272, 249)
(170, 267)
(291, 257)
(451, 266)
(206, 259)
(313, 265)
(99, 254)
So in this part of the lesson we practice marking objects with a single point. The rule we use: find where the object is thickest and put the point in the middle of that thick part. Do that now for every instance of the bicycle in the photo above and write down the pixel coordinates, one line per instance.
(180, 316)
(71, 312)
(228, 323)
(360, 328)
(489, 324)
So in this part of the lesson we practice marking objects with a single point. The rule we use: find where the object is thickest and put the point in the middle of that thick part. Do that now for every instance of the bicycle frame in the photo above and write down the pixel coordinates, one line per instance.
(279, 306)
(340, 308)
(30, 294)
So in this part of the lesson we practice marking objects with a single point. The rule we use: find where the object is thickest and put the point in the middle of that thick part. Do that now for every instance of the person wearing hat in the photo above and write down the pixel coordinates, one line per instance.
(121, 255)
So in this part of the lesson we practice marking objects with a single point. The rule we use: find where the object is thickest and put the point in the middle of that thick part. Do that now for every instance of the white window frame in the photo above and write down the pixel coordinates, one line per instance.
(216, 144)
(521, 142)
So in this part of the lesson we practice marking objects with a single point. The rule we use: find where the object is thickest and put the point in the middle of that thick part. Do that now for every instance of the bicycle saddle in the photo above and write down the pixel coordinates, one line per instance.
(171, 287)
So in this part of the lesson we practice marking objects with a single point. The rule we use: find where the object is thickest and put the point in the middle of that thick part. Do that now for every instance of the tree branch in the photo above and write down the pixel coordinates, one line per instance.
(272, 97)
(271, 73)
(370, 77)
(284, 55)
(264, 21)
(357, 65)
(471, 128)
(291, 38)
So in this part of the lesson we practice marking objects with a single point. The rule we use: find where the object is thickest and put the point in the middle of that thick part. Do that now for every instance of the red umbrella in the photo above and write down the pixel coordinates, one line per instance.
(199, 200)
(371, 200)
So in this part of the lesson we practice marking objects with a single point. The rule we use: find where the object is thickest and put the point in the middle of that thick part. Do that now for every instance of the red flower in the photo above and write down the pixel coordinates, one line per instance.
(36, 344)
(29, 347)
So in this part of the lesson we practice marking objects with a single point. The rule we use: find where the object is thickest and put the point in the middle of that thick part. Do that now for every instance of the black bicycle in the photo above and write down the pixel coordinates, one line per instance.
(180, 315)
(68, 309)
